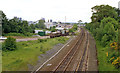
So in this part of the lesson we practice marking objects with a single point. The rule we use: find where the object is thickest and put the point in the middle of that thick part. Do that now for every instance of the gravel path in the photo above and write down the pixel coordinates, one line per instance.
(28, 39)
(92, 55)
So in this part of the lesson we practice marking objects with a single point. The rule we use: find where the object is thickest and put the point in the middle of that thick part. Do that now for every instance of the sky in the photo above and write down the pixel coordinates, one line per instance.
(57, 10)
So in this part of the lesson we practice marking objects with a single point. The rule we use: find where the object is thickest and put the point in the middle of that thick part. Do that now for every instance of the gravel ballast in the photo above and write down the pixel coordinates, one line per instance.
(43, 57)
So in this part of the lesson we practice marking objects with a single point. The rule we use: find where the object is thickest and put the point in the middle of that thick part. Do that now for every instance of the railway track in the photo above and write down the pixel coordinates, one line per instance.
(64, 64)
(76, 56)
(83, 60)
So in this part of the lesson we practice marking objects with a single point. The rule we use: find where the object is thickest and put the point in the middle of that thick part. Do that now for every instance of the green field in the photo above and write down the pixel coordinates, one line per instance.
(27, 53)
(104, 65)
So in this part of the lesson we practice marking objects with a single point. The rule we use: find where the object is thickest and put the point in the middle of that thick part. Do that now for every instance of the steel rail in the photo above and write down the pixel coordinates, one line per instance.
(80, 64)
(68, 58)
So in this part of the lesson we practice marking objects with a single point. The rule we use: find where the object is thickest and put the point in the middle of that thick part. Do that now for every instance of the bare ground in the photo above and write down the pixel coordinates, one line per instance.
(19, 39)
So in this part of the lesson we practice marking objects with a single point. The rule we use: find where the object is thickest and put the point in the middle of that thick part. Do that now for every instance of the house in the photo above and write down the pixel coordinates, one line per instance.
(47, 32)
(49, 24)
(68, 27)
(36, 31)
(59, 28)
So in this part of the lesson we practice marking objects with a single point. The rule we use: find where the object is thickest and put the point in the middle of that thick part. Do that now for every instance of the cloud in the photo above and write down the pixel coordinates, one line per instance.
(52, 9)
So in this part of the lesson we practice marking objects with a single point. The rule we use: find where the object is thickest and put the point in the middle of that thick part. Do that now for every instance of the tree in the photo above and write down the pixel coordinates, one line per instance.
(13, 25)
(99, 34)
(105, 40)
(5, 24)
(74, 27)
(17, 25)
(106, 32)
(108, 20)
(99, 12)
(53, 29)
(88, 26)
(10, 44)
(40, 24)
(79, 21)
(26, 27)
(32, 27)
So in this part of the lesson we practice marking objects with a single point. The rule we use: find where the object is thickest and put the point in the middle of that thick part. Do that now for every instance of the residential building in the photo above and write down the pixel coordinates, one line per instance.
(49, 24)
(36, 31)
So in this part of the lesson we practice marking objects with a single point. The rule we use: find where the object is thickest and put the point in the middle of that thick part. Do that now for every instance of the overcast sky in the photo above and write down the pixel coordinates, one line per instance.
(56, 10)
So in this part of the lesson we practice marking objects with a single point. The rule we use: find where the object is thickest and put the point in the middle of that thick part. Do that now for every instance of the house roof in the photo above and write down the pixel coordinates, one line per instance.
(59, 28)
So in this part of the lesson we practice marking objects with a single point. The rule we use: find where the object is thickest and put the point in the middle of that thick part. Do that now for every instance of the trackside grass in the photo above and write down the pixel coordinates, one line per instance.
(27, 53)
(104, 65)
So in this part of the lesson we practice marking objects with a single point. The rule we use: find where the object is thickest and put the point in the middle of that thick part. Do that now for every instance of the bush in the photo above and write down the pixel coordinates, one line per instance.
(10, 44)
(42, 40)
(105, 40)
(41, 49)
(71, 30)
(62, 39)
(28, 34)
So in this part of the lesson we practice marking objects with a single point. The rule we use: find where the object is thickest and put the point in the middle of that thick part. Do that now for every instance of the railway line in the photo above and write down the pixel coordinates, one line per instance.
(75, 60)
(64, 64)
(80, 65)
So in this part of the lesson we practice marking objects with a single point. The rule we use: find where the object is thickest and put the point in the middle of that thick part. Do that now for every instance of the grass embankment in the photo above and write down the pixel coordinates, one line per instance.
(27, 53)
(104, 65)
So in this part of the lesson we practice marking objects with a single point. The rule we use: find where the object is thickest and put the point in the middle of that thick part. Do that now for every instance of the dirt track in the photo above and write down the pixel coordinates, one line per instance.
(34, 38)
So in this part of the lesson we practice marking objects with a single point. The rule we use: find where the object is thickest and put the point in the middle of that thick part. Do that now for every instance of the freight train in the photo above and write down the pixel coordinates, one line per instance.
(58, 34)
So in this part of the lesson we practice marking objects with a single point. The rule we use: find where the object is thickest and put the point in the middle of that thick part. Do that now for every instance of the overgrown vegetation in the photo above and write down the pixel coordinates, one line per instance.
(74, 28)
(9, 44)
(40, 24)
(114, 57)
(27, 52)
(104, 27)
(52, 29)
(42, 40)
(103, 60)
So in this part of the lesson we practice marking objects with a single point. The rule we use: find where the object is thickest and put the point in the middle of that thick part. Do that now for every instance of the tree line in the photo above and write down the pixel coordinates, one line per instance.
(17, 25)
(104, 24)
(105, 27)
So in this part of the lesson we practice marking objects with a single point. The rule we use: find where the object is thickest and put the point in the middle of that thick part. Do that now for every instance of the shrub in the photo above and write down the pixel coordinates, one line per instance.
(62, 39)
(41, 49)
(53, 29)
(116, 62)
(28, 34)
(105, 40)
(24, 44)
(10, 44)
(114, 45)
(71, 30)
(42, 40)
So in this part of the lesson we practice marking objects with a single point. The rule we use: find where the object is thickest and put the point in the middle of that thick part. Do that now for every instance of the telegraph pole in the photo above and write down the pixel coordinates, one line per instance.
(65, 22)
(65, 19)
